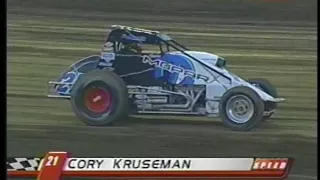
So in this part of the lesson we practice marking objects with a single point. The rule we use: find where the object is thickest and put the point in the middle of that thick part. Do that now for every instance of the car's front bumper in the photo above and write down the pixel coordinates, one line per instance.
(278, 100)
(51, 93)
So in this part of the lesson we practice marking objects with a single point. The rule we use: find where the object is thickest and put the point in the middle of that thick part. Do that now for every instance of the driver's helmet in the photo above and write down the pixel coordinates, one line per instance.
(133, 47)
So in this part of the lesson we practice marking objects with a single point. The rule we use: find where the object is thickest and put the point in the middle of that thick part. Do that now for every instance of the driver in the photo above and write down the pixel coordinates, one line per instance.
(131, 48)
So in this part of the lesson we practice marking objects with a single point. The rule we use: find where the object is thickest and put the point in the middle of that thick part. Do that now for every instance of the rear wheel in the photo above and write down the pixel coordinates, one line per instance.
(268, 88)
(99, 98)
(241, 109)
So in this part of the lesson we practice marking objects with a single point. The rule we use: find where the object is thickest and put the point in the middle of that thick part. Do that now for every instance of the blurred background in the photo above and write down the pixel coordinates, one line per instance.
(270, 39)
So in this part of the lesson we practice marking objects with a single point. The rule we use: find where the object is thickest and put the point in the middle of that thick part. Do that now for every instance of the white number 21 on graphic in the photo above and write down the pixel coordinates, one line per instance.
(52, 161)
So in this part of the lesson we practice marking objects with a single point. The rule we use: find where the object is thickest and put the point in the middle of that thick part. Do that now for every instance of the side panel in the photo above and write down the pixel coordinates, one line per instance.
(69, 78)
(180, 69)
(176, 71)
(106, 60)
(72, 74)
(212, 76)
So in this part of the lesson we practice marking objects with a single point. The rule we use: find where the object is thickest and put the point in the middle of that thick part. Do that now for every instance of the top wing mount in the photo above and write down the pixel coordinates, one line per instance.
(139, 30)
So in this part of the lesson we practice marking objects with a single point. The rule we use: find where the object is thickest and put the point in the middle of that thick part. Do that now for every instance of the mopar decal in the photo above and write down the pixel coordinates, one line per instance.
(182, 72)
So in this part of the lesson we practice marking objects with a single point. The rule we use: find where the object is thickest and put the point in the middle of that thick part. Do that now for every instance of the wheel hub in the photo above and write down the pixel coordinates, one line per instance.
(240, 108)
(97, 100)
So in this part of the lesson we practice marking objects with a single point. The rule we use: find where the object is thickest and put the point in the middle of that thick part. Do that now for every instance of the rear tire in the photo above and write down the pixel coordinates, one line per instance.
(241, 109)
(268, 88)
(100, 98)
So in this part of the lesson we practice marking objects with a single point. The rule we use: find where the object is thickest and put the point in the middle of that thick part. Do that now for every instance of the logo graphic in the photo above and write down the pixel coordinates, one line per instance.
(270, 164)
(174, 70)
(108, 46)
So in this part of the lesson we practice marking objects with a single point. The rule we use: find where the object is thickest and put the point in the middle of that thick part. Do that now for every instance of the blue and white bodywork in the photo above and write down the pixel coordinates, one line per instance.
(191, 82)
(62, 87)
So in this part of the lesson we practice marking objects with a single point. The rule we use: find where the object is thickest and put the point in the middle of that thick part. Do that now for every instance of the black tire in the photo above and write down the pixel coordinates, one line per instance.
(257, 104)
(267, 87)
(112, 86)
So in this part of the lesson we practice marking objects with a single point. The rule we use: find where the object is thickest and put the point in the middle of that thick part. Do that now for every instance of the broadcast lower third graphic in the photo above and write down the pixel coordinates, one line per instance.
(59, 164)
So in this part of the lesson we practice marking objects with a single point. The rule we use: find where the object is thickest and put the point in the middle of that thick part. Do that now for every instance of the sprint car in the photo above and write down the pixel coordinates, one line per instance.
(160, 76)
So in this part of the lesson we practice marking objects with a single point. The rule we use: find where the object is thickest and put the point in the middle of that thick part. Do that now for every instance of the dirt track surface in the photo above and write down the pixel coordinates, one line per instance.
(44, 37)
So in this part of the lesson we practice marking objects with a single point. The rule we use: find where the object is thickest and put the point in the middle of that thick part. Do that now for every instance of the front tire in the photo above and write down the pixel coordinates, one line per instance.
(99, 98)
(241, 109)
(268, 88)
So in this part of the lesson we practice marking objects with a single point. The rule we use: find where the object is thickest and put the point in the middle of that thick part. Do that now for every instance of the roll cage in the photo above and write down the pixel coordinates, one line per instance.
(126, 34)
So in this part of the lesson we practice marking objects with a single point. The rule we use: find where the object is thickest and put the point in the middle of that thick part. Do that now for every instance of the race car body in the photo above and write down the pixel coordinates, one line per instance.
(169, 80)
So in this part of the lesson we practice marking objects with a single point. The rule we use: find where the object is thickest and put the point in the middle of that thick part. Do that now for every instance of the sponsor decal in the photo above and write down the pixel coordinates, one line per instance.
(106, 60)
(183, 73)
(108, 46)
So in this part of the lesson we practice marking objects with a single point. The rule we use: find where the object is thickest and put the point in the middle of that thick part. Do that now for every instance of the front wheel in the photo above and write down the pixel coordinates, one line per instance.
(268, 88)
(99, 98)
(241, 108)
